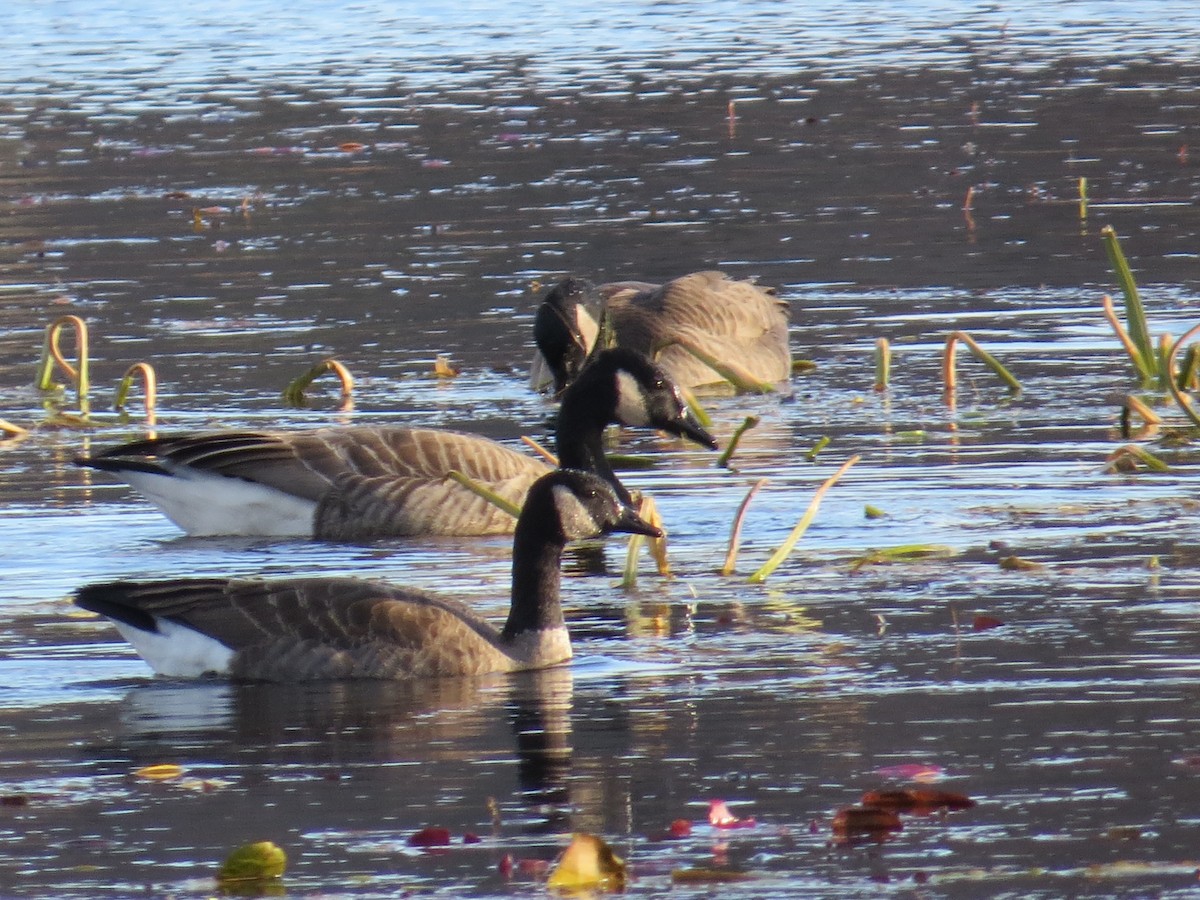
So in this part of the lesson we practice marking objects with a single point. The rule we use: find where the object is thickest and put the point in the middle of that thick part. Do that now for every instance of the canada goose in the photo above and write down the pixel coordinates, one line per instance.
(319, 628)
(737, 323)
(366, 482)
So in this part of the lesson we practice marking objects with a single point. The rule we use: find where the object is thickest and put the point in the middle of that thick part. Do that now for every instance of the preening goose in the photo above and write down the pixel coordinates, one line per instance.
(365, 482)
(321, 628)
(737, 323)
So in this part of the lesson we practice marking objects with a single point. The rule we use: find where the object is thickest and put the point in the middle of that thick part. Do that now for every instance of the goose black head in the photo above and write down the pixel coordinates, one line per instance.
(565, 328)
(584, 505)
(635, 392)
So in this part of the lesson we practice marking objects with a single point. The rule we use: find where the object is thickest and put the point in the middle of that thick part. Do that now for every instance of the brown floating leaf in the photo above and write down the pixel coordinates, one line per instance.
(983, 623)
(916, 800)
(1019, 564)
(853, 821)
(588, 862)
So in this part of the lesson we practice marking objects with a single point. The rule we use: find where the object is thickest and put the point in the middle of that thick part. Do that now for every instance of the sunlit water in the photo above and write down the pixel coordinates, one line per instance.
(234, 191)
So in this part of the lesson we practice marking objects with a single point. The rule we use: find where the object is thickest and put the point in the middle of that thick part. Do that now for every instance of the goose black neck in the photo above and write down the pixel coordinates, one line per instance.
(588, 407)
(536, 576)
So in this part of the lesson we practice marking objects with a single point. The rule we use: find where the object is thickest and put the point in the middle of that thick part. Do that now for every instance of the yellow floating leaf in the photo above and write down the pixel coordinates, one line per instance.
(160, 772)
(588, 862)
(262, 861)
(443, 369)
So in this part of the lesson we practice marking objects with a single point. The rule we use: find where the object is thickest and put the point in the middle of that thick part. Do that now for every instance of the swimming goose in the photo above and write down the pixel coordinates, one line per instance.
(365, 482)
(321, 628)
(738, 323)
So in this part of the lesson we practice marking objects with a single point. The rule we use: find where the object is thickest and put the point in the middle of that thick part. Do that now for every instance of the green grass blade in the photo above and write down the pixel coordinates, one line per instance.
(802, 526)
(486, 493)
(747, 423)
(1135, 313)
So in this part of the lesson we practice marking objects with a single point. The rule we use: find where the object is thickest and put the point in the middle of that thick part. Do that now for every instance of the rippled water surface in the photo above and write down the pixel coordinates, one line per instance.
(234, 191)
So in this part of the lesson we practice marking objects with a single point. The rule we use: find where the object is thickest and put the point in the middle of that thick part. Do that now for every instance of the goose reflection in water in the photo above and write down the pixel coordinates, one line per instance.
(372, 755)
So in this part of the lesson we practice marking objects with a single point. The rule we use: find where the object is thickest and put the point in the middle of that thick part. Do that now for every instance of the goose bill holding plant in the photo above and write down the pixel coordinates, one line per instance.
(737, 324)
(366, 482)
(332, 628)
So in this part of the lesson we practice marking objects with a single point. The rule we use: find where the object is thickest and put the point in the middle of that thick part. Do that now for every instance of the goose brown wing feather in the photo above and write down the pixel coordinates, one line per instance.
(317, 627)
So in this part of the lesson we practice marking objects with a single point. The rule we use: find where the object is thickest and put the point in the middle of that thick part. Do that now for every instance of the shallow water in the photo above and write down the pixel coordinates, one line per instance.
(385, 186)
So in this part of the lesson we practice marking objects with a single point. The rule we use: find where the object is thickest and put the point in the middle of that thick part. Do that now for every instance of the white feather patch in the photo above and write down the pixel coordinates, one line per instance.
(204, 505)
(577, 522)
(631, 401)
(178, 650)
(589, 328)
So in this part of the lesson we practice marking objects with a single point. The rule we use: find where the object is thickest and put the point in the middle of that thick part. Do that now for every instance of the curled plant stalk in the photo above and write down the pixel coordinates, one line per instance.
(52, 355)
(802, 526)
(658, 546)
(950, 367)
(1172, 383)
(1139, 362)
(293, 394)
(735, 532)
(747, 423)
(1143, 356)
(149, 390)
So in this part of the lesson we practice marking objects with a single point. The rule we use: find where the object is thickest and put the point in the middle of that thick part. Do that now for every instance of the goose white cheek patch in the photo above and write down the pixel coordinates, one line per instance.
(576, 521)
(631, 401)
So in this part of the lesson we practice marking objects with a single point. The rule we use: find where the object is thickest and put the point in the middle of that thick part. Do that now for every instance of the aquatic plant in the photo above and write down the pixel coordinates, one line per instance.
(950, 364)
(293, 394)
(797, 532)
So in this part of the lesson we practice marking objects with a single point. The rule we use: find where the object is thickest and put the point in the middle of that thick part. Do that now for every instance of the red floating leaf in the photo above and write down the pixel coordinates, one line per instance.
(430, 837)
(534, 867)
(719, 816)
(471, 838)
(505, 866)
(352, 147)
(921, 800)
(983, 623)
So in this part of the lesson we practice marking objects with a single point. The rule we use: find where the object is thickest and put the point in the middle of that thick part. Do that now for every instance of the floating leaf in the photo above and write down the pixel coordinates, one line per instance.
(873, 512)
(443, 369)
(262, 861)
(983, 622)
(854, 821)
(430, 837)
(1019, 564)
(160, 772)
(905, 553)
(916, 800)
(588, 862)
(719, 816)
(708, 876)
(680, 828)
(922, 772)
